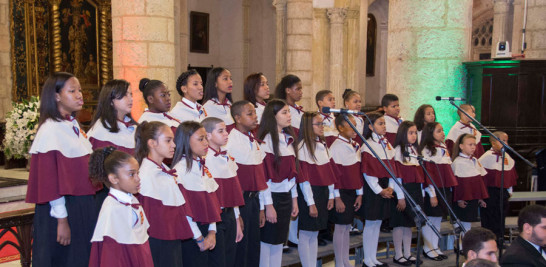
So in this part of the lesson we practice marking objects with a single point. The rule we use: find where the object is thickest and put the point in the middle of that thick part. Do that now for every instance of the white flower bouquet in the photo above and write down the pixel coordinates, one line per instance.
(21, 127)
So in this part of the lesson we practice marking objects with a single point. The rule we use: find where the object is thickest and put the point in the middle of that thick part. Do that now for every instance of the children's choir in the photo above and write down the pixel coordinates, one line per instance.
(218, 183)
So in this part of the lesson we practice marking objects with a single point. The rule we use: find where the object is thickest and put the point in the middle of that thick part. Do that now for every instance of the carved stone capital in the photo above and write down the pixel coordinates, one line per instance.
(279, 4)
(337, 15)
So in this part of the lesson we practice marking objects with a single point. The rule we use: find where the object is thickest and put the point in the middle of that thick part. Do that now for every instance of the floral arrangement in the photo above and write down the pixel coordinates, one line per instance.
(21, 127)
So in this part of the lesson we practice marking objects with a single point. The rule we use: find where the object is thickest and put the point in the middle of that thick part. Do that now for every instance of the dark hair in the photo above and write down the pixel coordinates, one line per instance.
(373, 116)
(182, 140)
(531, 215)
(388, 99)
(105, 161)
(268, 125)
(144, 132)
(474, 239)
(460, 140)
(48, 102)
(427, 138)
(339, 120)
(419, 117)
(237, 108)
(210, 123)
(114, 89)
(211, 91)
(347, 94)
(286, 82)
(251, 85)
(402, 137)
(183, 80)
(320, 95)
(148, 87)
(306, 133)
(477, 262)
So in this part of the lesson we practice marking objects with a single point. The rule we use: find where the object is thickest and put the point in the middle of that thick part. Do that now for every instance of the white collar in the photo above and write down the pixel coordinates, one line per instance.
(189, 103)
(345, 139)
(376, 137)
(461, 154)
(121, 196)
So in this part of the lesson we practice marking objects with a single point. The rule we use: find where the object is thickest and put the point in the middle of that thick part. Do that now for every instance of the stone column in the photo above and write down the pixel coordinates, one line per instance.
(536, 30)
(321, 44)
(352, 63)
(299, 41)
(337, 75)
(280, 62)
(517, 22)
(143, 44)
(500, 23)
(5, 59)
(424, 53)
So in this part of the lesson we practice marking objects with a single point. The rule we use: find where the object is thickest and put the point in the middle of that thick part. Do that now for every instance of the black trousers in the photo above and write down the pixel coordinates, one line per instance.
(490, 215)
(248, 250)
(191, 254)
(166, 253)
(223, 254)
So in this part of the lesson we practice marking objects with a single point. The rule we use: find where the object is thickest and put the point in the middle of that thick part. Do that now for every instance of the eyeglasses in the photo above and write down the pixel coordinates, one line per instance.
(321, 124)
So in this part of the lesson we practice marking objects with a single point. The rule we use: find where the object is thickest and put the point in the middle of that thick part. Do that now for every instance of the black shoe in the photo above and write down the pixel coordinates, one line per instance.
(364, 265)
(382, 265)
(403, 263)
(322, 242)
(437, 258)
(292, 245)
(286, 249)
(413, 260)
(355, 231)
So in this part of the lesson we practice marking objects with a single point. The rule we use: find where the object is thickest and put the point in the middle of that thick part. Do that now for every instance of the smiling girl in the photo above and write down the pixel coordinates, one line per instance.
(256, 91)
(217, 96)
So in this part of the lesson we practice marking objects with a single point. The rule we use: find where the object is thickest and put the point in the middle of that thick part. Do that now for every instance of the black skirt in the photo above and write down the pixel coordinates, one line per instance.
(374, 206)
(348, 196)
(306, 222)
(441, 209)
(468, 214)
(277, 233)
(82, 217)
(406, 217)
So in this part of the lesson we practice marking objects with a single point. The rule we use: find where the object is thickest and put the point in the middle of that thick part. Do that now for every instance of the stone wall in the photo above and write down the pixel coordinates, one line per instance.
(425, 50)
(536, 29)
(143, 44)
(5, 60)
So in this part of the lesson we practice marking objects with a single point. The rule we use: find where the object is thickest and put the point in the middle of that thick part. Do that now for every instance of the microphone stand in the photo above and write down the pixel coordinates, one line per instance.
(503, 151)
(420, 216)
(454, 217)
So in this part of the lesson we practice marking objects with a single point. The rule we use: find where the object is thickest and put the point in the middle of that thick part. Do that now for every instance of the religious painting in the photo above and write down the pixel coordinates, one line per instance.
(199, 32)
(30, 49)
(73, 36)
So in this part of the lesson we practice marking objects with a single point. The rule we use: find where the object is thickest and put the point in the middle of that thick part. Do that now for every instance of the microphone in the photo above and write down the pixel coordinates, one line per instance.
(420, 158)
(451, 98)
(341, 111)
